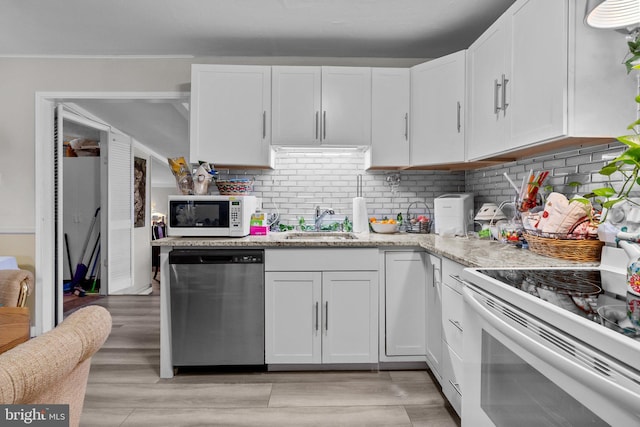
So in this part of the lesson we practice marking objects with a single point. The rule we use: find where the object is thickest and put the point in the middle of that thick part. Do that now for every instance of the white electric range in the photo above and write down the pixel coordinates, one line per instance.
(536, 352)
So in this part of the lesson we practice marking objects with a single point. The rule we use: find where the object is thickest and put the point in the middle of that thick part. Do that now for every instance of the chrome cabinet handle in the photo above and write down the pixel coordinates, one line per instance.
(434, 275)
(406, 126)
(264, 124)
(317, 116)
(324, 124)
(326, 316)
(504, 94)
(496, 88)
(456, 324)
(457, 278)
(456, 387)
(317, 316)
(458, 116)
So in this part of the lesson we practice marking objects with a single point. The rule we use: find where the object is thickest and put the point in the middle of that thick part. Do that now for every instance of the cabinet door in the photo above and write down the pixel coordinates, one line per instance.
(486, 63)
(292, 317)
(390, 91)
(350, 317)
(536, 92)
(230, 114)
(405, 290)
(295, 105)
(437, 109)
(434, 316)
(346, 105)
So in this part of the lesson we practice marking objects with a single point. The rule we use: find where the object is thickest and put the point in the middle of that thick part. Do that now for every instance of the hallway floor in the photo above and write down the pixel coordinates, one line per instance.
(124, 387)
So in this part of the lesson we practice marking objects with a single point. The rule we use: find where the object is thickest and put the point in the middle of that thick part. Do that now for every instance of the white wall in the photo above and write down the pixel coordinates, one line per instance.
(21, 78)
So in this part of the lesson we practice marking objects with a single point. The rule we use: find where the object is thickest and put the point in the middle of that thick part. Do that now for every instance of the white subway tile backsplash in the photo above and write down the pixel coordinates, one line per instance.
(580, 165)
(579, 159)
(301, 181)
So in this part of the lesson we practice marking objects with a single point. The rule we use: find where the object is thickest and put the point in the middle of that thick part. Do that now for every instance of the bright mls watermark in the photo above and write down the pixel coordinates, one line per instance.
(34, 415)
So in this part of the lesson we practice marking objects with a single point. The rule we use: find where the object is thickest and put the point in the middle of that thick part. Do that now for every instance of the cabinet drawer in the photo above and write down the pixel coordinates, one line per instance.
(452, 318)
(321, 259)
(452, 378)
(451, 273)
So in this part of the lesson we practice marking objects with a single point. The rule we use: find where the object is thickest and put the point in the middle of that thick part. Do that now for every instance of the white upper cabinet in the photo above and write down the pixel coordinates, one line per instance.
(486, 60)
(539, 75)
(538, 72)
(231, 115)
(346, 105)
(295, 105)
(321, 105)
(390, 102)
(438, 110)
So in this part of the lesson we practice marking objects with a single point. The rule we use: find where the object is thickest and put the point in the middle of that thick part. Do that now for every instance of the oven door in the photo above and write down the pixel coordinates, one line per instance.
(519, 371)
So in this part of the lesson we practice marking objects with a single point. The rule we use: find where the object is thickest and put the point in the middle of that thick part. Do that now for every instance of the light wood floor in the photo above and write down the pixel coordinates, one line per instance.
(124, 388)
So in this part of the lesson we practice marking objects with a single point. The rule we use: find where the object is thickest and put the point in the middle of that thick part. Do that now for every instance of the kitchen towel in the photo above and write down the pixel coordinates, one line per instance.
(360, 217)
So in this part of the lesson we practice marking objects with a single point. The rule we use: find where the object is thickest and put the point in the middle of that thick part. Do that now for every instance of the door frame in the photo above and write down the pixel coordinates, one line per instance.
(45, 226)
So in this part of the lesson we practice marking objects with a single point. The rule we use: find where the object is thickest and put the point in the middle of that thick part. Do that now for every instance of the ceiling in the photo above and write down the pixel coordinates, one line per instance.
(333, 28)
(402, 29)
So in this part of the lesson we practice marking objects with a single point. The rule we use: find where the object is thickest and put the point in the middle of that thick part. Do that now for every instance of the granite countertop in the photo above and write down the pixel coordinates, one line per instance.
(471, 252)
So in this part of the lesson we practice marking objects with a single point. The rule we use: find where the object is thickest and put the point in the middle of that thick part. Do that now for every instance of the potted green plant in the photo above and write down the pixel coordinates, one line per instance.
(633, 56)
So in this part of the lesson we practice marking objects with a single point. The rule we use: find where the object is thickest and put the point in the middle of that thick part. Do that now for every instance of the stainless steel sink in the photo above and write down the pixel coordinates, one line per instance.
(320, 235)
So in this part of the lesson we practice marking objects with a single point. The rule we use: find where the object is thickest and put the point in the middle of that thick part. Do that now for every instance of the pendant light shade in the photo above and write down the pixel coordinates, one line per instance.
(613, 14)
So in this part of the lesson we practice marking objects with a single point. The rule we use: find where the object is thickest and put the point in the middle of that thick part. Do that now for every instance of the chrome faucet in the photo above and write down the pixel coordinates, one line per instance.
(320, 214)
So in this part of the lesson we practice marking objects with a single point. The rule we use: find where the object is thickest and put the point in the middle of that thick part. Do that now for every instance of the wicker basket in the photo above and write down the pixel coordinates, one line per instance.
(418, 227)
(564, 246)
(235, 187)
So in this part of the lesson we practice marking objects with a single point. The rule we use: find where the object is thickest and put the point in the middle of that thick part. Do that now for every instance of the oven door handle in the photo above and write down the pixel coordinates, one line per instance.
(590, 378)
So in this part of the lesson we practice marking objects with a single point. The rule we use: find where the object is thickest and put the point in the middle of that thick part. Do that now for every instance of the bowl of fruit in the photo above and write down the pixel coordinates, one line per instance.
(384, 225)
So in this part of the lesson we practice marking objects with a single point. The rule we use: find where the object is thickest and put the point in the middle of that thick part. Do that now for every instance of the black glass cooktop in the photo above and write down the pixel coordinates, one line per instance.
(577, 291)
(565, 282)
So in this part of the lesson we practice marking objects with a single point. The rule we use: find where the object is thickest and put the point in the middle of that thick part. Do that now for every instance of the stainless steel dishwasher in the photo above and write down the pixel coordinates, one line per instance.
(217, 307)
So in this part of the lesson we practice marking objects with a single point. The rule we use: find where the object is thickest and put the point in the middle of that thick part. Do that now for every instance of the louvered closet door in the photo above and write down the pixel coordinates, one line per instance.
(120, 212)
(58, 210)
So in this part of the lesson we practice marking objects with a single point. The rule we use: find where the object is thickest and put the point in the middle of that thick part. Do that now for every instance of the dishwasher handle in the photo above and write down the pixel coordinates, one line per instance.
(214, 256)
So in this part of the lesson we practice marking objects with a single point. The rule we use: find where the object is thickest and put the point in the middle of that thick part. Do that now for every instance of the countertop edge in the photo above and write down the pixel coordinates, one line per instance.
(470, 252)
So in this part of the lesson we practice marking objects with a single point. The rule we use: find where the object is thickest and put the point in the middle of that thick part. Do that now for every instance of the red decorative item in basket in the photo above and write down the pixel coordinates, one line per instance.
(528, 200)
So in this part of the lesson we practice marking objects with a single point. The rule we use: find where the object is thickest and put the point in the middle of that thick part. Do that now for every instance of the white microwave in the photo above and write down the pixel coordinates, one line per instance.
(210, 216)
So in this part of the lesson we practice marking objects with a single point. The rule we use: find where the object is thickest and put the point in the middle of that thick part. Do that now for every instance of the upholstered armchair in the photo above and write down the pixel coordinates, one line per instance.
(53, 368)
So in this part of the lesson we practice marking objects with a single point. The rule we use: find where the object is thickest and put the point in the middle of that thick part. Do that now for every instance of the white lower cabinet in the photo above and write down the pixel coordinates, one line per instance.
(292, 317)
(451, 378)
(405, 293)
(320, 316)
(452, 326)
(434, 316)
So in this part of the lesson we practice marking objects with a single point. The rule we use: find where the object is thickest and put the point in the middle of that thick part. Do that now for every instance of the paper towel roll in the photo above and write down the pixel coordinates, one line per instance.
(360, 217)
